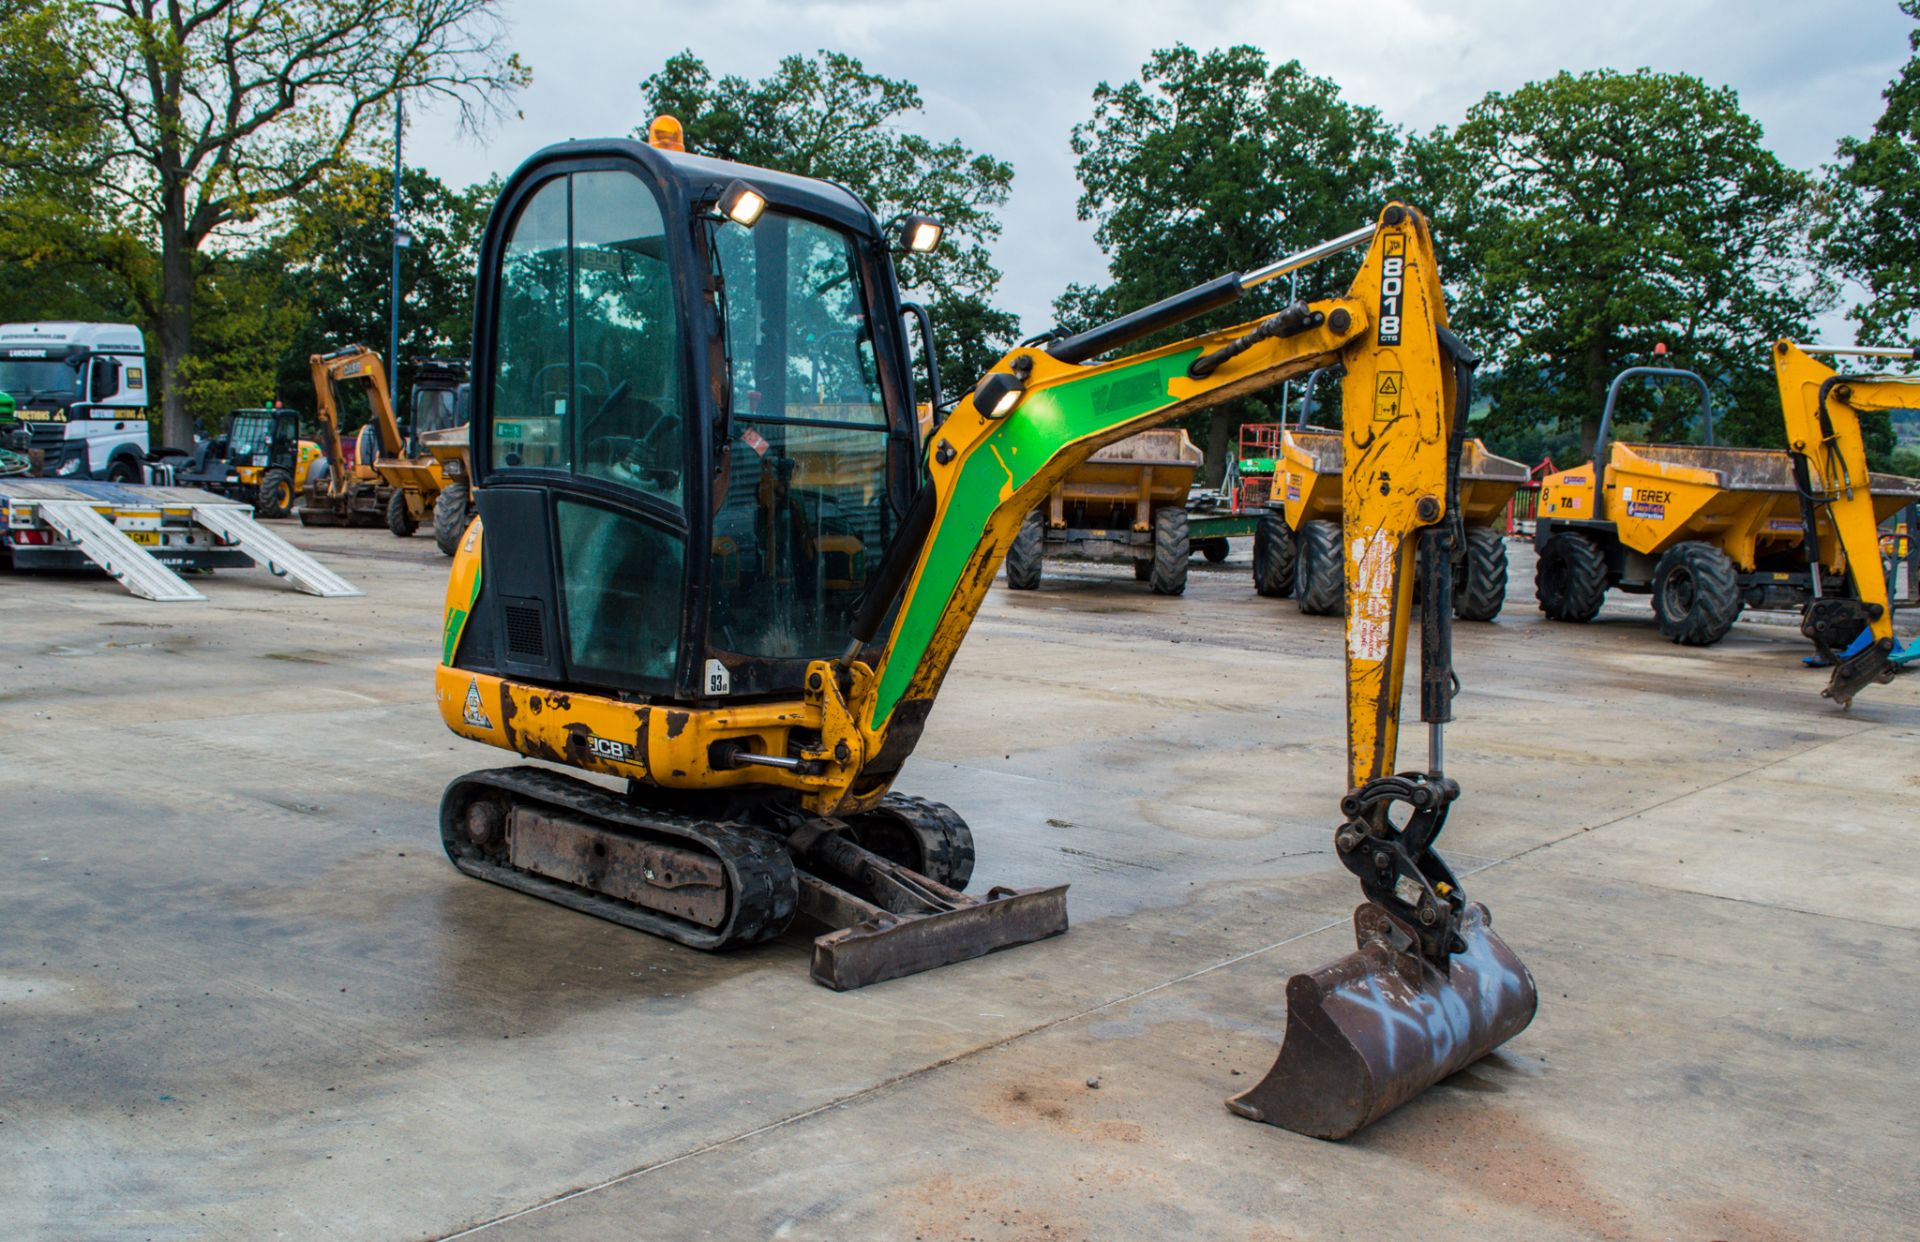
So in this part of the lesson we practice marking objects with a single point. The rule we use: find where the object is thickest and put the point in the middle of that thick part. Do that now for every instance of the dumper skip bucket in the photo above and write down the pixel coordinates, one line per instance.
(1370, 1031)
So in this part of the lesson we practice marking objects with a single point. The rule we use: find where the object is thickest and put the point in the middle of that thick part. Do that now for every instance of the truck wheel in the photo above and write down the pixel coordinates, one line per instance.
(1273, 557)
(1696, 594)
(399, 519)
(1028, 550)
(1171, 551)
(450, 517)
(1570, 580)
(123, 470)
(1215, 549)
(1480, 586)
(1319, 571)
(275, 499)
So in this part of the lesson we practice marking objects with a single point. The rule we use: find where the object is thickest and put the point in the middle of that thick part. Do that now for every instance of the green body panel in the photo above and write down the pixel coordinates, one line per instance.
(1000, 465)
(1257, 465)
(1220, 525)
(456, 624)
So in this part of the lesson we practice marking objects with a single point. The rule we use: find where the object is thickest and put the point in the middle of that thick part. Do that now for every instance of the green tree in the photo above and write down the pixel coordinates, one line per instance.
(1585, 219)
(1218, 161)
(828, 117)
(218, 111)
(1872, 233)
(61, 255)
(336, 264)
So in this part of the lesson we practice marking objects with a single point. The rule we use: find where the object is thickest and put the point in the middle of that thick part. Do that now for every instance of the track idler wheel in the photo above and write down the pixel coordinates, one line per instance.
(1370, 1031)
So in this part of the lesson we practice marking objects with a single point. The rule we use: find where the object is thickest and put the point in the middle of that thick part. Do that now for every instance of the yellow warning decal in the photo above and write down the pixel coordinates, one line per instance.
(1386, 397)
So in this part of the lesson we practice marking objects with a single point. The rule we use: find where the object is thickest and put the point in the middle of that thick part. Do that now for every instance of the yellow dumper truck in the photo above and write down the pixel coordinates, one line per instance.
(1710, 530)
(1296, 547)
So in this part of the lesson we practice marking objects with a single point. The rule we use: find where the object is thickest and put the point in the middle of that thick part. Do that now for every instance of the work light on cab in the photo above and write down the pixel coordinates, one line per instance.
(742, 204)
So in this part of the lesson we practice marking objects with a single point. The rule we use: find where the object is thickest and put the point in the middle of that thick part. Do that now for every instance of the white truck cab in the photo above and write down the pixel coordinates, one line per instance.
(80, 398)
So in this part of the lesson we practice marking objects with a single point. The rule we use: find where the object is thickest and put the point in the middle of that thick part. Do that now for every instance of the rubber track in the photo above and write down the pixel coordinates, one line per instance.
(952, 863)
(762, 890)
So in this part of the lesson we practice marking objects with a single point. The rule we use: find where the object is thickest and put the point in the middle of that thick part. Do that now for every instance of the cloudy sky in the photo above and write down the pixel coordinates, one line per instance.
(1014, 77)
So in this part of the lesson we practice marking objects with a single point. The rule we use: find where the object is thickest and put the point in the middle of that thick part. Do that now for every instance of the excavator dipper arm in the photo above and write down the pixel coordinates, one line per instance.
(1822, 411)
(1431, 988)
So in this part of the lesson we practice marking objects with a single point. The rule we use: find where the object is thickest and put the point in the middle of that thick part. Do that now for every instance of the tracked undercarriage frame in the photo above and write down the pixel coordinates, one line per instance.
(886, 884)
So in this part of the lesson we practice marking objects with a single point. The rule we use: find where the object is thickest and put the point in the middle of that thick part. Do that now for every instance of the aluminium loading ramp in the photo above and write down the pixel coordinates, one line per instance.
(140, 535)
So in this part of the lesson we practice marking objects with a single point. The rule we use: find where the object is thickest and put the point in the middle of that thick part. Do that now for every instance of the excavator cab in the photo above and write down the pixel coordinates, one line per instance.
(695, 432)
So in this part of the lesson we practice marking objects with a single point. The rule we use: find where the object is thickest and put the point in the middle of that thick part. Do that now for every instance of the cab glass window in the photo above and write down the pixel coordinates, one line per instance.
(806, 514)
(533, 378)
(621, 577)
(587, 373)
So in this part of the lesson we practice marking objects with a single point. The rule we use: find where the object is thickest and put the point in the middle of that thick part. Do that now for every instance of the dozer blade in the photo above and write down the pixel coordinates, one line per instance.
(887, 945)
(1370, 1031)
(902, 922)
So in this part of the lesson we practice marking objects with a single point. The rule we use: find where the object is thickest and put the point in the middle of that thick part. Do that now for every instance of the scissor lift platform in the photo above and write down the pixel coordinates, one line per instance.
(143, 536)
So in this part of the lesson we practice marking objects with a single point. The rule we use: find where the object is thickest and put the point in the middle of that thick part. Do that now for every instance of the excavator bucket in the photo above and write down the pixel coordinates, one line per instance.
(1370, 1031)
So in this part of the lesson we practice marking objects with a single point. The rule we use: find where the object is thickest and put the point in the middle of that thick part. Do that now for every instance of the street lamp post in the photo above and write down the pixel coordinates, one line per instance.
(401, 240)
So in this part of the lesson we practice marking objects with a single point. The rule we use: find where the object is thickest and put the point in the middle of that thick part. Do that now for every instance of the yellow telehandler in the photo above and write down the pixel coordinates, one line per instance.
(717, 565)
(1710, 530)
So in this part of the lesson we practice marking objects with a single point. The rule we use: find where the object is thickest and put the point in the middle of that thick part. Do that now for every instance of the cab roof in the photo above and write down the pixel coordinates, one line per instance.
(701, 179)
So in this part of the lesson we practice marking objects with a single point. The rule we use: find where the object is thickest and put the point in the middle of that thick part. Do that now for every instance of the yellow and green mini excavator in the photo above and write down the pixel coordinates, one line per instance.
(717, 565)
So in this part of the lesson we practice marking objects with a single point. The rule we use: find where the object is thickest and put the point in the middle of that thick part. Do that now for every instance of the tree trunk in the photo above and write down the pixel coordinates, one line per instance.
(1596, 388)
(176, 323)
(1220, 425)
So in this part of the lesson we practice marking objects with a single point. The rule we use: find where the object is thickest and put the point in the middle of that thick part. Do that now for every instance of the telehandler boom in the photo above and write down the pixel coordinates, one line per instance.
(716, 562)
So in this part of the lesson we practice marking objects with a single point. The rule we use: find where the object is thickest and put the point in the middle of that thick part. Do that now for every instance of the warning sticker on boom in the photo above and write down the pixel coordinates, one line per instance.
(1393, 283)
(1386, 396)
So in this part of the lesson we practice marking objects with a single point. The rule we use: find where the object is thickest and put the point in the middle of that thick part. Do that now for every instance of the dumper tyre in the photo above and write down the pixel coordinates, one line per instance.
(400, 519)
(1480, 587)
(1319, 572)
(1696, 594)
(1215, 549)
(920, 834)
(274, 497)
(1026, 554)
(1570, 580)
(1273, 556)
(450, 517)
(1172, 548)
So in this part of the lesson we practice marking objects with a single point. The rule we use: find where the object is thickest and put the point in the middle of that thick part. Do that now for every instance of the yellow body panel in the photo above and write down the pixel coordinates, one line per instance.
(1307, 478)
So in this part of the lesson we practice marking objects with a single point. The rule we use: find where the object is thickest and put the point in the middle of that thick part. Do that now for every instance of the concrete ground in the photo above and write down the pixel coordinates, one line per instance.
(242, 993)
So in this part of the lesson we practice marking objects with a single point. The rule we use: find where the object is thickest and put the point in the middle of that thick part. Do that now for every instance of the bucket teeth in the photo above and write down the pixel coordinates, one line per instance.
(1370, 1031)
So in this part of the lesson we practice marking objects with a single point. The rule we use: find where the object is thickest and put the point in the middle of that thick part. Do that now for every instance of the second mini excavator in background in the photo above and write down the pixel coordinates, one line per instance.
(717, 562)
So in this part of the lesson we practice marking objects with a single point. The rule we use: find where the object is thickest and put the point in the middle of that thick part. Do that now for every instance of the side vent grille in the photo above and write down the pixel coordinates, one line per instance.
(526, 631)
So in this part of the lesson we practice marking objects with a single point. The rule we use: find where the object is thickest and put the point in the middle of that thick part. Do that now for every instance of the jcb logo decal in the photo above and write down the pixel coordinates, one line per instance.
(1393, 284)
(607, 748)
